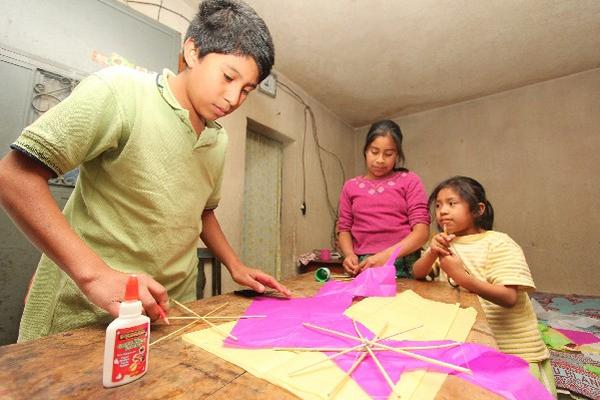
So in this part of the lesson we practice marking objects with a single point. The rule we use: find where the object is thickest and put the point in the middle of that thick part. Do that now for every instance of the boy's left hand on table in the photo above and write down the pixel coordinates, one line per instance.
(257, 280)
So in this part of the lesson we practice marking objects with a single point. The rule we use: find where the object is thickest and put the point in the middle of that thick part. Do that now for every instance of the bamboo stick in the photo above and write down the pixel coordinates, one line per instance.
(424, 358)
(401, 332)
(383, 371)
(387, 378)
(226, 317)
(309, 325)
(207, 321)
(348, 350)
(346, 377)
(173, 333)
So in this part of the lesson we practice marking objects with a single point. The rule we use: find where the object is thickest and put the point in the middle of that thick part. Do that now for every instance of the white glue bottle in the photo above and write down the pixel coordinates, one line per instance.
(126, 346)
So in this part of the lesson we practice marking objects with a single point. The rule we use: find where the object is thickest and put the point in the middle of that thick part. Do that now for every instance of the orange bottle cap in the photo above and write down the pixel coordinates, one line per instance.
(131, 289)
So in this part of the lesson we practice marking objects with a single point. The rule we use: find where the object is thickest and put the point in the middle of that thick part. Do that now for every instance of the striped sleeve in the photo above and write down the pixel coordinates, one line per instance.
(507, 265)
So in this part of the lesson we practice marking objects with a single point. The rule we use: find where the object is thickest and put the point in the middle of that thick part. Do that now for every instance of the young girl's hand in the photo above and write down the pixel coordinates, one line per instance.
(440, 244)
(350, 264)
(454, 268)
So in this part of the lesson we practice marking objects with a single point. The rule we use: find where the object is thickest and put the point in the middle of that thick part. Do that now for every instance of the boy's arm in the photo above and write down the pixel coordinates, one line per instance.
(26, 197)
(215, 240)
(505, 296)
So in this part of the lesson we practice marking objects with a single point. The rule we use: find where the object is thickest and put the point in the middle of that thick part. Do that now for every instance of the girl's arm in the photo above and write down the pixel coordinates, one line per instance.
(423, 265)
(26, 197)
(412, 242)
(215, 240)
(505, 296)
(350, 259)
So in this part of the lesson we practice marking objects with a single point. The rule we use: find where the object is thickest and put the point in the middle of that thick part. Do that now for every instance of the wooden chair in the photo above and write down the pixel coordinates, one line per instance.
(204, 255)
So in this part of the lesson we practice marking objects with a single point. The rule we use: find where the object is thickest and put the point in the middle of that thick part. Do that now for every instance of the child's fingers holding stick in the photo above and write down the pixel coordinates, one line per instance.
(440, 243)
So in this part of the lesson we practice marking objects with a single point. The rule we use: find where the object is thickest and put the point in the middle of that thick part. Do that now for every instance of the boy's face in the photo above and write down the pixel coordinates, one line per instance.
(218, 84)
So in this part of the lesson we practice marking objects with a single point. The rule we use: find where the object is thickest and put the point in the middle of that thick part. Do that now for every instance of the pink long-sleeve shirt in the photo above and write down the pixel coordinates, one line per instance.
(381, 212)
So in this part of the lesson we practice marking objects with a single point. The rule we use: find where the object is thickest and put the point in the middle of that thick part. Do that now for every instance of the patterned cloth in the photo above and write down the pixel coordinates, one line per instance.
(569, 366)
(569, 373)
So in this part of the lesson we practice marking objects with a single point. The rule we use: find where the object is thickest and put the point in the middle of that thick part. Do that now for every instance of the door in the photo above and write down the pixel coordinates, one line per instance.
(262, 204)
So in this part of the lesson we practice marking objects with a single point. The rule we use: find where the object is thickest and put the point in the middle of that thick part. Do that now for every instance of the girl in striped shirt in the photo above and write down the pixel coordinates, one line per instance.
(487, 263)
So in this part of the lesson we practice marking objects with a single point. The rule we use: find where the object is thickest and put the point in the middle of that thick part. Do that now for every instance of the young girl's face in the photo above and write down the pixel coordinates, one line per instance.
(454, 213)
(381, 156)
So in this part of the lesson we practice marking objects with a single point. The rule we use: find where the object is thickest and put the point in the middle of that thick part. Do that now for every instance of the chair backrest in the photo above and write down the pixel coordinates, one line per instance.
(204, 255)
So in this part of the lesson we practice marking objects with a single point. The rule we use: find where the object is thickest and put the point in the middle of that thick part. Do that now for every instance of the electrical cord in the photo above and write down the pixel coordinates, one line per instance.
(160, 8)
(308, 113)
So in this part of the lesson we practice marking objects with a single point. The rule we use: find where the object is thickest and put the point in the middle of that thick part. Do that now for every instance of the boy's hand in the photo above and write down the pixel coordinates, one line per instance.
(350, 264)
(108, 290)
(257, 280)
(440, 244)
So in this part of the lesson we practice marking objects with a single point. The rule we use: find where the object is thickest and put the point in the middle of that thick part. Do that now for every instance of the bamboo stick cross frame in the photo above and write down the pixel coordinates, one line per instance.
(368, 347)
(204, 318)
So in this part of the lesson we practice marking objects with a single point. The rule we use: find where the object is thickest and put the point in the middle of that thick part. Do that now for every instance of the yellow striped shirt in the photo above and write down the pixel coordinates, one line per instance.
(496, 258)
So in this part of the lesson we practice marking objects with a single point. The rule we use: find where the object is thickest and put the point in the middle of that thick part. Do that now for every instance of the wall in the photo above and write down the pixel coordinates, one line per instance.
(535, 151)
(281, 118)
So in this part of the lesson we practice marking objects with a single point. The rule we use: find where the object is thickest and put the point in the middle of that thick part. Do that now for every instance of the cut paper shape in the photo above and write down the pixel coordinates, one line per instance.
(284, 317)
(503, 374)
(376, 281)
(552, 338)
(579, 337)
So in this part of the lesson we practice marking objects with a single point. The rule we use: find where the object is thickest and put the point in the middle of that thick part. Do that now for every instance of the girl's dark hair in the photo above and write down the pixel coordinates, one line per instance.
(233, 27)
(473, 193)
(384, 128)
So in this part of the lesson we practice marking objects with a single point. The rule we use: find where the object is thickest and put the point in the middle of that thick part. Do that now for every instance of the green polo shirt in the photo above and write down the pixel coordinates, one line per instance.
(145, 178)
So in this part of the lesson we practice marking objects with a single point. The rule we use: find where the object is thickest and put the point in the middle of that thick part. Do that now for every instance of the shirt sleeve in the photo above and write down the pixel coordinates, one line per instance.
(507, 265)
(345, 219)
(416, 202)
(78, 129)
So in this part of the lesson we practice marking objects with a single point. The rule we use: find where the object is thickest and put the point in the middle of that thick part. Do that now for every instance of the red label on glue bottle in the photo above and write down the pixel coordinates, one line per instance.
(126, 345)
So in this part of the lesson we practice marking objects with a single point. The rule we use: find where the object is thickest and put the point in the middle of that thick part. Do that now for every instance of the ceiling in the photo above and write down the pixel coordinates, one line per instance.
(372, 59)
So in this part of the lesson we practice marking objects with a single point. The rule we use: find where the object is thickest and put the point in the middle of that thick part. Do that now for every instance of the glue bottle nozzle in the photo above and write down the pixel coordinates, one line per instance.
(131, 289)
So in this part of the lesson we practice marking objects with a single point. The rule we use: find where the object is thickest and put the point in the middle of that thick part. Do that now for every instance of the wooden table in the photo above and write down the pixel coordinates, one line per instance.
(69, 365)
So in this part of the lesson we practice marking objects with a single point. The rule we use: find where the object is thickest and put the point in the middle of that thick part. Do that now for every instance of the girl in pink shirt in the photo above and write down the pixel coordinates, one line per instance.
(384, 209)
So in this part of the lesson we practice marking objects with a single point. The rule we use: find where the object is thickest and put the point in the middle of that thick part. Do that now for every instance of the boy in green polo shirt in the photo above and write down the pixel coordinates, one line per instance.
(151, 162)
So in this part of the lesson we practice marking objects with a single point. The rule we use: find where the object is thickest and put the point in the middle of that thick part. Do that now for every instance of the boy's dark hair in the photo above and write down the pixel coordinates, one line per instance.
(232, 27)
(473, 193)
(384, 128)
